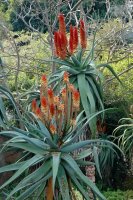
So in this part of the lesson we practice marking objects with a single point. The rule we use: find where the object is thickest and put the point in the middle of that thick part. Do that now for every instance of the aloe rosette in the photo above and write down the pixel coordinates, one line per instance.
(124, 134)
(84, 74)
(48, 166)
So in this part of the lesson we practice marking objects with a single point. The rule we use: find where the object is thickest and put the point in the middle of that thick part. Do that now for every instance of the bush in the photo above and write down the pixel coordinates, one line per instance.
(119, 195)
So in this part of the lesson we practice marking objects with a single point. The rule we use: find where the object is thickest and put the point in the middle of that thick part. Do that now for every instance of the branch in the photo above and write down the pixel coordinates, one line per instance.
(126, 70)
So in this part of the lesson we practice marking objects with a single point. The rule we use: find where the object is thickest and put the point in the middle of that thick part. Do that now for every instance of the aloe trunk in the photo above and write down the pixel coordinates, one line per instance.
(90, 173)
(49, 194)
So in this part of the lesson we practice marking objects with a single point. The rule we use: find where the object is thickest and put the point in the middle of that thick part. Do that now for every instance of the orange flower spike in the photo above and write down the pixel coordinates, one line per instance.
(62, 28)
(71, 87)
(44, 105)
(34, 105)
(61, 107)
(75, 38)
(62, 24)
(56, 43)
(44, 81)
(63, 41)
(52, 129)
(62, 46)
(83, 38)
(56, 100)
(43, 102)
(76, 99)
(71, 48)
(63, 93)
(50, 95)
(66, 77)
(52, 110)
(38, 112)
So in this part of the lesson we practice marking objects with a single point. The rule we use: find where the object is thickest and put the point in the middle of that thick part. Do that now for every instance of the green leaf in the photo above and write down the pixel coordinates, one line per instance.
(91, 98)
(25, 166)
(76, 146)
(2, 123)
(71, 162)
(96, 92)
(33, 141)
(7, 93)
(87, 100)
(76, 62)
(3, 111)
(40, 191)
(33, 188)
(79, 55)
(84, 154)
(84, 163)
(32, 178)
(82, 144)
(98, 85)
(44, 129)
(92, 105)
(96, 159)
(28, 147)
(55, 165)
(31, 133)
(62, 179)
(82, 89)
(34, 131)
(52, 144)
(61, 62)
(69, 69)
(11, 167)
(111, 70)
(75, 180)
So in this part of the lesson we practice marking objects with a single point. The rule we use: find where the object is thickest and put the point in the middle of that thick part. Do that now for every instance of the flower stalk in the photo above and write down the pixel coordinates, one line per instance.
(57, 112)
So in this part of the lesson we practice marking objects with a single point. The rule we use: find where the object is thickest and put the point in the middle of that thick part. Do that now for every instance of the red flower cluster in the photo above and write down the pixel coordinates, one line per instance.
(73, 41)
(62, 49)
(53, 109)
(83, 38)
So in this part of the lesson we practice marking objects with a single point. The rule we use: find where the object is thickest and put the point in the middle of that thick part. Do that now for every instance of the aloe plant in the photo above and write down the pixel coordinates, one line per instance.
(124, 134)
(48, 166)
(84, 73)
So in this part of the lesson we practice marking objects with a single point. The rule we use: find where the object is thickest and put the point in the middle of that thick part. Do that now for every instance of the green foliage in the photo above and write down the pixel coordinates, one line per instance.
(31, 60)
(43, 153)
(24, 82)
(106, 157)
(3, 7)
(13, 8)
(119, 195)
(113, 51)
(124, 133)
(118, 2)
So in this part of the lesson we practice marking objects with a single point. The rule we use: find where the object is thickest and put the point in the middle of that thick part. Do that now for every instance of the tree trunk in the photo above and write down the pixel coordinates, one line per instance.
(90, 173)
(49, 193)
